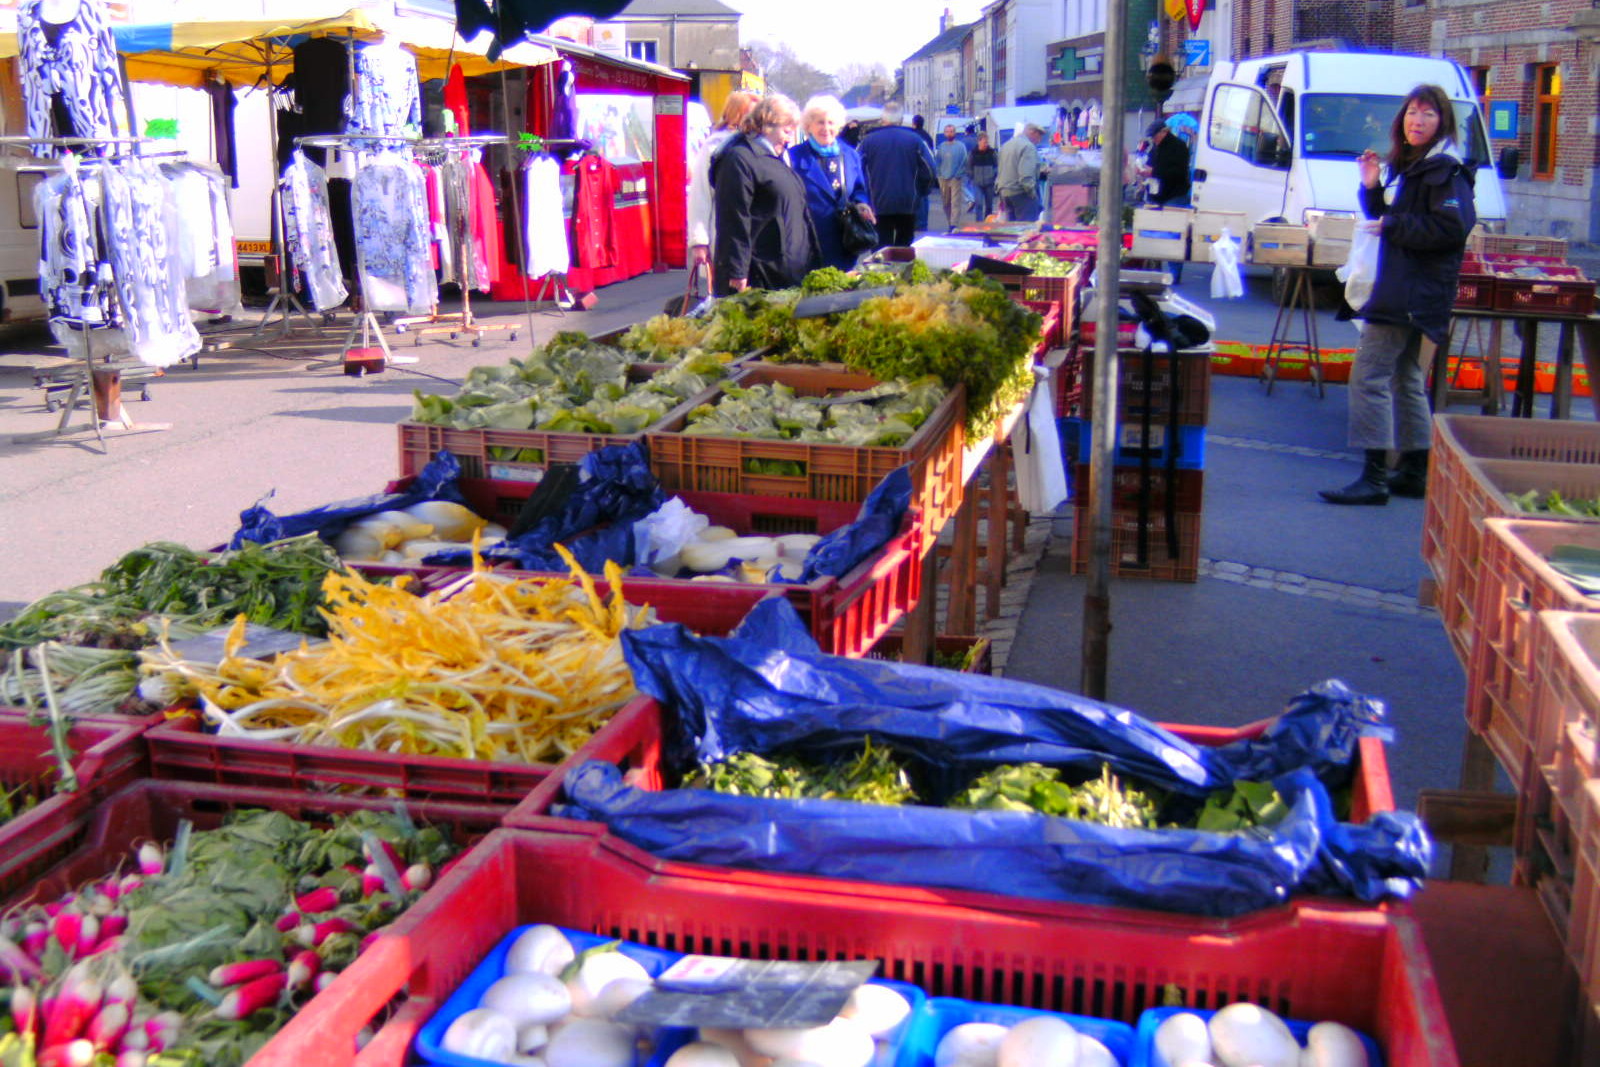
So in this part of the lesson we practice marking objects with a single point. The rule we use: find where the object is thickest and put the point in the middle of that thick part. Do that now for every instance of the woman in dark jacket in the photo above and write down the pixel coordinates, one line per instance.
(1422, 226)
(765, 238)
(832, 173)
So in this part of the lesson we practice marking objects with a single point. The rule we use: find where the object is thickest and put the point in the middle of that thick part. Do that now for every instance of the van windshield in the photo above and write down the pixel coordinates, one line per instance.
(1342, 126)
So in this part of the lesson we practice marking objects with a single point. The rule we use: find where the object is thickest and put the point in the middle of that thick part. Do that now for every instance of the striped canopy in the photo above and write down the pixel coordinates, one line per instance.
(253, 51)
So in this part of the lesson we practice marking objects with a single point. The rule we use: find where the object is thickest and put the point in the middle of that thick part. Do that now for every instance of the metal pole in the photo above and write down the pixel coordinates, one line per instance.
(1108, 261)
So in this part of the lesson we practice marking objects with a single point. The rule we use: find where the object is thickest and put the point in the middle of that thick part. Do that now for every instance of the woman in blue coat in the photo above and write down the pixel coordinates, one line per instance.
(832, 173)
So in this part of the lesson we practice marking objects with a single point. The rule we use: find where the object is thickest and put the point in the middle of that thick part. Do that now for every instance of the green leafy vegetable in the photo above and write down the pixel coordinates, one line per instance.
(873, 776)
(1035, 787)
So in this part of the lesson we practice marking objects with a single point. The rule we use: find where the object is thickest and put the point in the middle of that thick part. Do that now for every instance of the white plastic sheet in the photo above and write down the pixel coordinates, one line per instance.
(1036, 447)
(1226, 284)
(1360, 270)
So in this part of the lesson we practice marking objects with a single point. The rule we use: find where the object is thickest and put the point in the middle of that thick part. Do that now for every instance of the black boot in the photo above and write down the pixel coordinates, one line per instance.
(1371, 488)
(1410, 478)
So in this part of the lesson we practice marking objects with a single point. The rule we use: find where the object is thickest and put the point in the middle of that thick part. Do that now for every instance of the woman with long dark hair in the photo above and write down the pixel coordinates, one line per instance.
(1419, 201)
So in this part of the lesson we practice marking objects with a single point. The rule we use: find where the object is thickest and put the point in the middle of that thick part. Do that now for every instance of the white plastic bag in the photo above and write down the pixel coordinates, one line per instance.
(1036, 448)
(661, 535)
(1360, 270)
(1226, 284)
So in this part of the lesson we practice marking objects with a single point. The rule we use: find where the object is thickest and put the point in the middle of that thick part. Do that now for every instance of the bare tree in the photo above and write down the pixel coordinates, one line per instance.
(787, 73)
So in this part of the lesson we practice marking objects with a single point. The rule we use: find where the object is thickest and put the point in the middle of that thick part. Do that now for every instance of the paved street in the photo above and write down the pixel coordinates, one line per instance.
(1292, 590)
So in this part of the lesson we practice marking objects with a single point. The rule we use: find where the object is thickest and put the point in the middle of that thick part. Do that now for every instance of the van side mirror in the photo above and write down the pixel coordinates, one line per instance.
(1199, 174)
(1506, 166)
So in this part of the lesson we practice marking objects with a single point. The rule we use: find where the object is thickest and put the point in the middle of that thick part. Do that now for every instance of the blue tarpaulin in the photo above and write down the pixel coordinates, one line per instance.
(437, 481)
(766, 691)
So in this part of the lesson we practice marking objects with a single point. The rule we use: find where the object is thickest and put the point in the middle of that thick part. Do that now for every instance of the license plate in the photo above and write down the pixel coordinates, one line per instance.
(252, 248)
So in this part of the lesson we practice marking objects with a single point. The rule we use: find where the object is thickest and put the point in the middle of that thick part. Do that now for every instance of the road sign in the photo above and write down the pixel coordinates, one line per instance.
(1197, 52)
(951, 109)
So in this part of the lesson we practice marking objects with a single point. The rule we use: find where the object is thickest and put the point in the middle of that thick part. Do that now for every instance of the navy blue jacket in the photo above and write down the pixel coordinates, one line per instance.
(823, 199)
(1419, 256)
(899, 168)
(764, 231)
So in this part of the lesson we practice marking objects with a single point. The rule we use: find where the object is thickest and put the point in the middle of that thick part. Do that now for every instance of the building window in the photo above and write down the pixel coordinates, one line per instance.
(1546, 113)
(644, 51)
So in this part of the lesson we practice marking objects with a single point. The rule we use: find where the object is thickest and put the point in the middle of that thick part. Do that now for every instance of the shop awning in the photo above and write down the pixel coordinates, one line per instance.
(246, 52)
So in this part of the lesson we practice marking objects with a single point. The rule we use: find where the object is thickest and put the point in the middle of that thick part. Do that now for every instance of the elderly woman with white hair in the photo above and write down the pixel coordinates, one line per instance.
(764, 236)
(835, 180)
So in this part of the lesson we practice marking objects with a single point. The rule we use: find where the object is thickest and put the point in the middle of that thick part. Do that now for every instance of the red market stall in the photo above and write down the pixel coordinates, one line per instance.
(626, 214)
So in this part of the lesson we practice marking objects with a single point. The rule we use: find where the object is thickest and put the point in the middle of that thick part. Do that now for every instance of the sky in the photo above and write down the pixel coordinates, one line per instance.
(830, 34)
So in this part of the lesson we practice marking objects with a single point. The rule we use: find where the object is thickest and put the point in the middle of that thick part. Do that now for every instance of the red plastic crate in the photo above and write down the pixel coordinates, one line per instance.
(845, 614)
(1475, 285)
(1561, 290)
(1050, 332)
(1159, 563)
(1460, 439)
(1187, 486)
(1515, 584)
(1546, 249)
(1366, 968)
(975, 652)
(1482, 489)
(831, 472)
(91, 837)
(107, 756)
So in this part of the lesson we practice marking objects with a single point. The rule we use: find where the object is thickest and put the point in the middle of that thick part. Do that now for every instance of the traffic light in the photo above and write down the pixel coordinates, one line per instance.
(1160, 77)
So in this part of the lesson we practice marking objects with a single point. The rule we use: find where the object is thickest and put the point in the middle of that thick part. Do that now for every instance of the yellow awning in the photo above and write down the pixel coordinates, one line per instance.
(247, 52)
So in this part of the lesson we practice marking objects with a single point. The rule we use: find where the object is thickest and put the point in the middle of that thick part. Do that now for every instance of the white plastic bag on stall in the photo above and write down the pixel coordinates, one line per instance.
(660, 535)
(1036, 448)
(1226, 284)
(1360, 270)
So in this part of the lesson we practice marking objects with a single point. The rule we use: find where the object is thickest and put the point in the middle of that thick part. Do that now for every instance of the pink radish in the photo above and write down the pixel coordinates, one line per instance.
(129, 883)
(131, 1057)
(313, 935)
(151, 859)
(65, 928)
(17, 962)
(319, 900)
(162, 1029)
(25, 1009)
(134, 1038)
(243, 971)
(107, 1027)
(123, 990)
(251, 996)
(417, 877)
(305, 966)
(74, 1005)
(288, 921)
(112, 925)
(371, 881)
(323, 980)
(79, 1053)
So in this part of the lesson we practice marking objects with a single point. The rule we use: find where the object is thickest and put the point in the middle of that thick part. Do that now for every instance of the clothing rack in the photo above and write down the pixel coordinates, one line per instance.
(98, 385)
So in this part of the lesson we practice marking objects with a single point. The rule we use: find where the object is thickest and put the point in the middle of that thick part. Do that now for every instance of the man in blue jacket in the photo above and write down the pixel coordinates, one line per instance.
(899, 168)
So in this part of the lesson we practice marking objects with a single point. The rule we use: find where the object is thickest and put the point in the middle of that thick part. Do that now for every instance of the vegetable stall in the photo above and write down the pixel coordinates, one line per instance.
(603, 736)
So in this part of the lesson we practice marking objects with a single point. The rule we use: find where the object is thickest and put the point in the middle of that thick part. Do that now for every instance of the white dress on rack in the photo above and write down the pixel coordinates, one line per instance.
(309, 231)
(548, 250)
(140, 228)
(389, 204)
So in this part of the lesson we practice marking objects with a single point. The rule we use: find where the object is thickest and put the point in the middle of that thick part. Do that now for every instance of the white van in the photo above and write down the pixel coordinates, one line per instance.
(19, 240)
(1279, 135)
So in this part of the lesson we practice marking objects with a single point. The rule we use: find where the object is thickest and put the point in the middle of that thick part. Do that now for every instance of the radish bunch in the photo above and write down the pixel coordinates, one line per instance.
(202, 951)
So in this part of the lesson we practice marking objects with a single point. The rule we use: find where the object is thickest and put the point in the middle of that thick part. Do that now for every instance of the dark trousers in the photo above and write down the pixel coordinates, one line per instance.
(897, 231)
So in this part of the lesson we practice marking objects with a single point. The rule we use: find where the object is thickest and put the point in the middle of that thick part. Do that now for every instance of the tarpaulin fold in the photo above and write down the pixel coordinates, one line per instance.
(764, 690)
(437, 481)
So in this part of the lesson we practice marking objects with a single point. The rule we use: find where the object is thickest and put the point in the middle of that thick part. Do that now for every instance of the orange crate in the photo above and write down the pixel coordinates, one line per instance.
(1482, 489)
(1566, 710)
(1459, 439)
(499, 454)
(1515, 583)
(1558, 290)
(1365, 968)
(1553, 249)
(1159, 565)
(830, 472)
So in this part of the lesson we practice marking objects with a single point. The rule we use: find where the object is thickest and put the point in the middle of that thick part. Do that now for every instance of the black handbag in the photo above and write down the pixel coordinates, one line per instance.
(856, 234)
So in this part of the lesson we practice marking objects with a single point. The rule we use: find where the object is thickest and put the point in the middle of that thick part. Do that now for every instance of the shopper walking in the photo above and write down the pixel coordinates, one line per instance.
(899, 167)
(765, 238)
(919, 125)
(982, 167)
(1017, 180)
(702, 222)
(833, 177)
(950, 164)
(1419, 201)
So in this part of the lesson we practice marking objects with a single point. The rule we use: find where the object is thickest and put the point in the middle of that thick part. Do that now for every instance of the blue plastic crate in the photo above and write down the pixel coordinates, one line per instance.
(493, 967)
(1190, 442)
(894, 1050)
(1144, 1052)
(943, 1014)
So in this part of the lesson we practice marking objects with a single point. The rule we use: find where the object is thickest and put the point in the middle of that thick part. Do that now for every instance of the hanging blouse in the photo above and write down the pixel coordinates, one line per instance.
(71, 86)
(548, 251)
(309, 231)
(386, 100)
(474, 221)
(388, 202)
(140, 230)
(198, 193)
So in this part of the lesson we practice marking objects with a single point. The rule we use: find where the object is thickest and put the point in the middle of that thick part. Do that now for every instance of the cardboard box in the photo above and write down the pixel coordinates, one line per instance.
(1207, 226)
(1161, 232)
(1332, 228)
(1329, 252)
(1288, 245)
